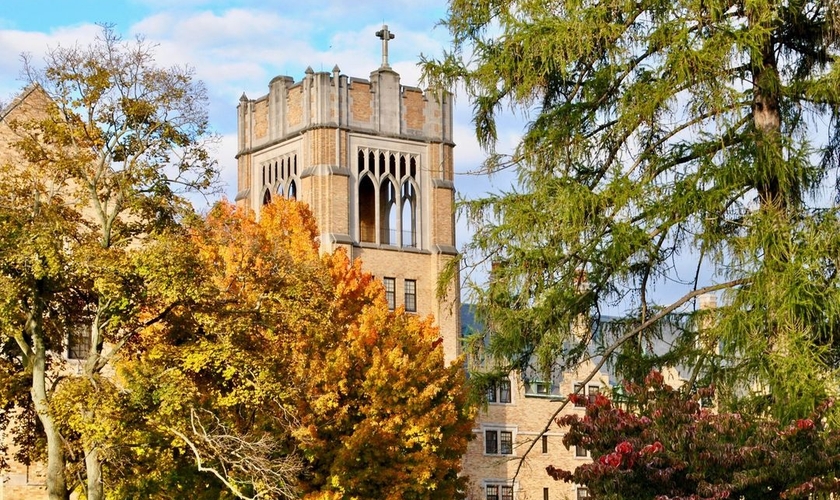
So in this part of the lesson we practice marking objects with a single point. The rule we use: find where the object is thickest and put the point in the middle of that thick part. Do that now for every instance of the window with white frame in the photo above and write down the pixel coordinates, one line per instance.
(589, 394)
(583, 493)
(498, 442)
(498, 491)
(580, 391)
(539, 388)
(592, 392)
(499, 391)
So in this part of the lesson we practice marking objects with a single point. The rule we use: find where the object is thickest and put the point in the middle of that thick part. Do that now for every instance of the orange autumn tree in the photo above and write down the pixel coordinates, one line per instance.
(298, 351)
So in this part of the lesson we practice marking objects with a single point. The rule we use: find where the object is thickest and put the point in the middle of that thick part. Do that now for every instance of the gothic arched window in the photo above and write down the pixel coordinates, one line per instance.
(388, 200)
(408, 202)
(367, 210)
(388, 213)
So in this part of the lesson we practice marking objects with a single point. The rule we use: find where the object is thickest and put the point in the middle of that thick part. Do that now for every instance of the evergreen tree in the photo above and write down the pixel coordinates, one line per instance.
(666, 136)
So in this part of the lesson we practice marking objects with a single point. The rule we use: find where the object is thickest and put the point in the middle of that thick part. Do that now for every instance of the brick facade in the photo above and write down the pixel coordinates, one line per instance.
(20, 482)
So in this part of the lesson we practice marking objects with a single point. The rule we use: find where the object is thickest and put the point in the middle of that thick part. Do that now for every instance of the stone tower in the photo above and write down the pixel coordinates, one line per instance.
(373, 159)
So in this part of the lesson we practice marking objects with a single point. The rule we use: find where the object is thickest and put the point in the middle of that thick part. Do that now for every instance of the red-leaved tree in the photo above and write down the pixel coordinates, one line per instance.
(662, 443)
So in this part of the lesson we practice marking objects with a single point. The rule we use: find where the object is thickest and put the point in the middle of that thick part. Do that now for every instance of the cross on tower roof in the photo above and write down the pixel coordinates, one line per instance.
(385, 35)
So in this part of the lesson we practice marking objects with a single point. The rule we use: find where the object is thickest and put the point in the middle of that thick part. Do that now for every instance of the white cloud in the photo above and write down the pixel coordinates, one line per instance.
(13, 43)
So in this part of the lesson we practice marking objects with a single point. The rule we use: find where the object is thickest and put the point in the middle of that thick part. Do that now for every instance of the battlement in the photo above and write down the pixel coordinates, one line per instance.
(380, 106)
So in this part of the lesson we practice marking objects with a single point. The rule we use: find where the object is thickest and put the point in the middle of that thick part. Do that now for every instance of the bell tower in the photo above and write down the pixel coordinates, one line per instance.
(373, 159)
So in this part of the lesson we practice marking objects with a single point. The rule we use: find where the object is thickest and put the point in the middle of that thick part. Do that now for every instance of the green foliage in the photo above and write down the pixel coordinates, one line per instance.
(105, 143)
(675, 149)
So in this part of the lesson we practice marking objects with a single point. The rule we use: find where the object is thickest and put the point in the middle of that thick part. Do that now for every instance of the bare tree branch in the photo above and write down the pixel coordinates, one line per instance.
(242, 462)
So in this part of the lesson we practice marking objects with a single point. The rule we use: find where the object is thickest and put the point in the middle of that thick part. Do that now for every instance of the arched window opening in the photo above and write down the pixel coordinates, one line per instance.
(388, 213)
(292, 190)
(361, 160)
(408, 203)
(266, 197)
(263, 172)
(367, 210)
(402, 166)
(413, 168)
(371, 162)
(288, 168)
(294, 166)
(276, 170)
(381, 164)
(392, 166)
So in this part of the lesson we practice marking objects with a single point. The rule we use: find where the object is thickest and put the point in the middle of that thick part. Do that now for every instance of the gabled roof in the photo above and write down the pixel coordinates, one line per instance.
(20, 99)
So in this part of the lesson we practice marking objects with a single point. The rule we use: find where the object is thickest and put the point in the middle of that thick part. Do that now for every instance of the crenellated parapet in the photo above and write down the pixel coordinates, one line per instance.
(380, 106)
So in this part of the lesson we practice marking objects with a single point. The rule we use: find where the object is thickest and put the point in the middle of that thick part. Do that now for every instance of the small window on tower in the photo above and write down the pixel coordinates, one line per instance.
(390, 292)
(411, 295)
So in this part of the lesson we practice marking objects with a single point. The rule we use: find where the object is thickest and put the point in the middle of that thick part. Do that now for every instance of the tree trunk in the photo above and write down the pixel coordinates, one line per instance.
(93, 460)
(93, 467)
(767, 120)
(56, 484)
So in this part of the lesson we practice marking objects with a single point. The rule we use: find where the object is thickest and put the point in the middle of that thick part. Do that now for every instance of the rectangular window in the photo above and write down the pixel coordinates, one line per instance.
(491, 392)
(507, 492)
(580, 392)
(504, 391)
(491, 442)
(583, 493)
(411, 295)
(506, 444)
(498, 442)
(594, 390)
(580, 452)
(492, 492)
(390, 292)
(78, 343)
(545, 493)
(545, 444)
(543, 388)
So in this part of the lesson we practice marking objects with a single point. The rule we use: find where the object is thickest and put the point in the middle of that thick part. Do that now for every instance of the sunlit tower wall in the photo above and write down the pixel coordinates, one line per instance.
(373, 159)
